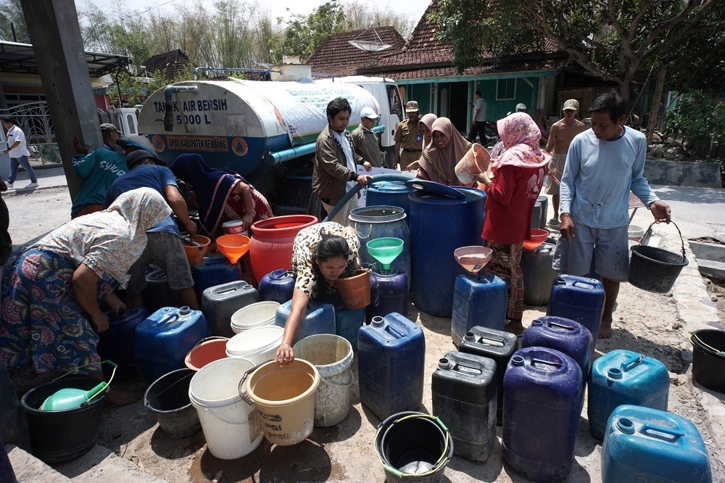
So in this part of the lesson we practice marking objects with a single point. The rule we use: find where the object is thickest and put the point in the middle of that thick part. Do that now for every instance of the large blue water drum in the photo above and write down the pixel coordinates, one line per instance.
(373, 222)
(389, 193)
(438, 226)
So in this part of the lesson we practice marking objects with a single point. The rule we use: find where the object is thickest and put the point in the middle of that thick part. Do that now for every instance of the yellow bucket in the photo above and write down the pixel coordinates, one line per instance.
(285, 399)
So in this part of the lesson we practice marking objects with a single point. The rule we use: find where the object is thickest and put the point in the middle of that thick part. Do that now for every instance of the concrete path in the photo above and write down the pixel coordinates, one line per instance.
(47, 179)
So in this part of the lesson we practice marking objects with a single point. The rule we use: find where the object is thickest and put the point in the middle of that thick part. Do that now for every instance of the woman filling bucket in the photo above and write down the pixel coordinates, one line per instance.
(322, 254)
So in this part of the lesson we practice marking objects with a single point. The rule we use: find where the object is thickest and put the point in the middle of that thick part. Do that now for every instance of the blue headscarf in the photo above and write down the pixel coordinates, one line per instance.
(212, 187)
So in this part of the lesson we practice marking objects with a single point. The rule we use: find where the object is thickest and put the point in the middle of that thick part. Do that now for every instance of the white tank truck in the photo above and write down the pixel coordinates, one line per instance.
(263, 130)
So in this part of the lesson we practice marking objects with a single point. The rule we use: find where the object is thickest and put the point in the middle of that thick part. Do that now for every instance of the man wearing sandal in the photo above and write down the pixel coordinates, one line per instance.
(603, 164)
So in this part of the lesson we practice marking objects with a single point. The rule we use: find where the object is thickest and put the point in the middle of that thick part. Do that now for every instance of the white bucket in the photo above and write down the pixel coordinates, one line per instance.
(234, 227)
(332, 357)
(254, 315)
(231, 426)
(257, 345)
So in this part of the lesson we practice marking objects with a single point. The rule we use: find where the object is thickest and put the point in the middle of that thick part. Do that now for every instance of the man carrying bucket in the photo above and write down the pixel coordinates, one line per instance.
(603, 164)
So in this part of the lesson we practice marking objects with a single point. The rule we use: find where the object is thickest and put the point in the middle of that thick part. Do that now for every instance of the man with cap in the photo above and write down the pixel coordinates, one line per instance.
(365, 142)
(560, 136)
(408, 139)
(164, 248)
(97, 170)
(111, 135)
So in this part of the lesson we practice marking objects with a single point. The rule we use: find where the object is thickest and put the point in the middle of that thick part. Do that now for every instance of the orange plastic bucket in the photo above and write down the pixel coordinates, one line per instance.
(207, 350)
(233, 247)
(194, 253)
(538, 236)
(355, 290)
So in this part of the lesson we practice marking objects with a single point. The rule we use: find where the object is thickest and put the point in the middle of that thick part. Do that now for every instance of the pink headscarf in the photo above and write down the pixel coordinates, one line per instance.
(519, 143)
(438, 164)
(428, 120)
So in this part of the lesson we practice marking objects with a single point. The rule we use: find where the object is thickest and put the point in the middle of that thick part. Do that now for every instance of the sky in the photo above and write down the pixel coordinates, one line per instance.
(413, 9)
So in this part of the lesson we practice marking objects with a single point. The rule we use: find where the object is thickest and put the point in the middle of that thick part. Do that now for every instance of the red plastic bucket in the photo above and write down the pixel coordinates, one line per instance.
(272, 239)
(207, 350)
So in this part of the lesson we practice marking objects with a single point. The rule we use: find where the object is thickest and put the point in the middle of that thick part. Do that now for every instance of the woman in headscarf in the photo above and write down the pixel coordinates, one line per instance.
(220, 195)
(51, 315)
(439, 158)
(518, 168)
(426, 127)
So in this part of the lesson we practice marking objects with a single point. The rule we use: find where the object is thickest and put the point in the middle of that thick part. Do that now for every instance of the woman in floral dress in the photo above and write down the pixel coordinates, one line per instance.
(50, 294)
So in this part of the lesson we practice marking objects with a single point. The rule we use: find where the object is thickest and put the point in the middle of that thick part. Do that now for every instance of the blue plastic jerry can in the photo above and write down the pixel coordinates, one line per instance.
(624, 377)
(165, 337)
(645, 444)
(391, 356)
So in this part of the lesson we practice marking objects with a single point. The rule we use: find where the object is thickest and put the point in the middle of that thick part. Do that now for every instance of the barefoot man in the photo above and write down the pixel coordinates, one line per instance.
(603, 165)
(560, 136)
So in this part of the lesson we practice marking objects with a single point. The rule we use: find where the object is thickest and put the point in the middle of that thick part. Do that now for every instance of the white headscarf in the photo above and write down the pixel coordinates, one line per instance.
(110, 241)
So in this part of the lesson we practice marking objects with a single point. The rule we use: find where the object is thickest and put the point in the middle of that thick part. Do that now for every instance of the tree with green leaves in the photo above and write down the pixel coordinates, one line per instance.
(621, 41)
(12, 22)
(305, 33)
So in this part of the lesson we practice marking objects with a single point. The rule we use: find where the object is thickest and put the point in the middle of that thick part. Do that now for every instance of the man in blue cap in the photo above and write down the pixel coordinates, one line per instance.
(164, 247)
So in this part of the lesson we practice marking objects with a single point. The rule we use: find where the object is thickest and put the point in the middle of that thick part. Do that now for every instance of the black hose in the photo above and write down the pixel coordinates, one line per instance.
(358, 187)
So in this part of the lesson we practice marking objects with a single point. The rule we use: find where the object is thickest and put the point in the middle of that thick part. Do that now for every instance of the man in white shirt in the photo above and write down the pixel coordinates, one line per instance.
(17, 148)
(478, 123)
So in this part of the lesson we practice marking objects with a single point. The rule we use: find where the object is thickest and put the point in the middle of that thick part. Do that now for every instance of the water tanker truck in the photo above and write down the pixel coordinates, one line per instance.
(264, 130)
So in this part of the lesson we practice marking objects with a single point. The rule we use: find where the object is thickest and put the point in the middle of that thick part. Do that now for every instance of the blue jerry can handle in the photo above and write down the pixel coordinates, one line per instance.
(536, 360)
(176, 314)
(632, 363)
(559, 325)
(658, 432)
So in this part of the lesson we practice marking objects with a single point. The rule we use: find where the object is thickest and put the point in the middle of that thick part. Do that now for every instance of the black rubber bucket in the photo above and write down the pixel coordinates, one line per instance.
(708, 358)
(414, 447)
(168, 398)
(656, 269)
(58, 436)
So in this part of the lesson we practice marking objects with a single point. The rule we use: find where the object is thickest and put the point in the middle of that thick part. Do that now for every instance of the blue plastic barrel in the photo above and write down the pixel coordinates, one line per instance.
(542, 399)
(624, 377)
(116, 344)
(439, 225)
(578, 298)
(565, 335)
(373, 222)
(388, 294)
(213, 270)
(165, 337)
(478, 301)
(389, 193)
(278, 286)
(348, 323)
(646, 444)
(319, 319)
(391, 355)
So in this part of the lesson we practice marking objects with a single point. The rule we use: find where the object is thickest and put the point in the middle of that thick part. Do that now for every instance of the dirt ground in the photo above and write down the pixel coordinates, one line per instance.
(644, 322)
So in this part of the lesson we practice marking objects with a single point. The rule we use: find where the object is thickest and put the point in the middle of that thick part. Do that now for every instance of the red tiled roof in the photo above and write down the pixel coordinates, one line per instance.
(337, 57)
(426, 56)
(424, 34)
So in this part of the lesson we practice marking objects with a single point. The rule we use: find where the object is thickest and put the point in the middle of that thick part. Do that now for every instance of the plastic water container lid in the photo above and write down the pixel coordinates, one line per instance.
(217, 383)
(231, 223)
(255, 341)
(254, 315)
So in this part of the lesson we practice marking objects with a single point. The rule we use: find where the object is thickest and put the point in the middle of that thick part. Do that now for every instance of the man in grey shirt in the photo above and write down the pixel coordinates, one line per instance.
(479, 120)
